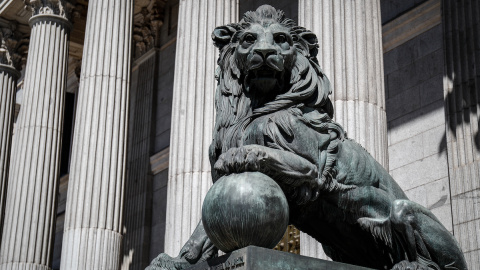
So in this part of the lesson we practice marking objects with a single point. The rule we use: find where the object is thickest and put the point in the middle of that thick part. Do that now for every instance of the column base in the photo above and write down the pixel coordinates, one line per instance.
(91, 248)
(23, 266)
(252, 257)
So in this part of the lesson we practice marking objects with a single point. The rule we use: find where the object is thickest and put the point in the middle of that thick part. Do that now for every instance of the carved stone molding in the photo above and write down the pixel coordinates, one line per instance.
(146, 30)
(73, 75)
(290, 241)
(13, 47)
(62, 8)
(160, 161)
(411, 24)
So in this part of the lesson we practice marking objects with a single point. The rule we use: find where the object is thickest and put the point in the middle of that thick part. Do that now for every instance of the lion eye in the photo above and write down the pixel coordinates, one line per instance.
(280, 38)
(249, 38)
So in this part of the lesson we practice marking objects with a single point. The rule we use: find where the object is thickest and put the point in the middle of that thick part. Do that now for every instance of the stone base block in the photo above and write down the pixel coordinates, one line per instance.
(256, 258)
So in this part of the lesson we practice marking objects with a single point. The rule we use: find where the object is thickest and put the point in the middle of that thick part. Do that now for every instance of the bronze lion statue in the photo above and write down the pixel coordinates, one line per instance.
(274, 116)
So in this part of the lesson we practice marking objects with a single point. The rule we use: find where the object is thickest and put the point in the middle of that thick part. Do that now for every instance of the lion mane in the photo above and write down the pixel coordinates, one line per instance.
(307, 87)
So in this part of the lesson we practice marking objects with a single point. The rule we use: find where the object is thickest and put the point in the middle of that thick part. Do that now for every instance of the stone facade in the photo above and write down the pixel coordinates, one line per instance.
(432, 111)
(428, 99)
(415, 113)
(461, 88)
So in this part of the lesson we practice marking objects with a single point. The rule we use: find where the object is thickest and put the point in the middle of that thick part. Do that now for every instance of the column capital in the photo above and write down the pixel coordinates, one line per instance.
(61, 8)
(13, 48)
(146, 29)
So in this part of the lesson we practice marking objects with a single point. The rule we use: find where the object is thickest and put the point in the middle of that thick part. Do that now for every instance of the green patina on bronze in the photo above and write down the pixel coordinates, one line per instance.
(245, 209)
(274, 116)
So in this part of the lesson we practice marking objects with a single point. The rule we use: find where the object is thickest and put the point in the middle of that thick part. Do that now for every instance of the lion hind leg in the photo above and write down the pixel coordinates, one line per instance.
(423, 238)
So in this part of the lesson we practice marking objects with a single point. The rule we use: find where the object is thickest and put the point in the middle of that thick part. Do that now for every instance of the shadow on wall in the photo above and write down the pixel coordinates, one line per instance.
(462, 55)
(461, 112)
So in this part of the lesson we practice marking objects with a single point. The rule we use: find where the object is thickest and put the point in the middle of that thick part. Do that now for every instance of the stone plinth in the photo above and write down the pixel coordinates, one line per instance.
(252, 257)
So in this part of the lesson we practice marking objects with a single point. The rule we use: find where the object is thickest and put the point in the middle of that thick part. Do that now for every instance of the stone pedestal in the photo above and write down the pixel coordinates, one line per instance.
(94, 211)
(31, 197)
(256, 258)
(351, 55)
(192, 115)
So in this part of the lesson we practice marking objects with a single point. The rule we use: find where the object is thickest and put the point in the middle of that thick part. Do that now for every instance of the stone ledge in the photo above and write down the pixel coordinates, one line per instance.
(256, 258)
(411, 24)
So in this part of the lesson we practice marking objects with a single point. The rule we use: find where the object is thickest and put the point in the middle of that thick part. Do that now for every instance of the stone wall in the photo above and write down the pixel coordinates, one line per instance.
(166, 68)
(416, 121)
(415, 111)
(462, 95)
(163, 115)
(137, 210)
(431, 53)
(391, 9)
(62, 199)
(431, 57)
(69, 118)
(149, 140)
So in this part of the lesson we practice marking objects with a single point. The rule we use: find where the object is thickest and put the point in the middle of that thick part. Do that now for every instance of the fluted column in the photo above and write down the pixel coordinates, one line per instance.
(32, 186)
(461, 21)
(193, 115)
(10, 65)
(350, 39)
(94, 212)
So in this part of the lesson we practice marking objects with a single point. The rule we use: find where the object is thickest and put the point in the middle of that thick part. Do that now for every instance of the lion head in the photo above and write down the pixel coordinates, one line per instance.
(267, 63)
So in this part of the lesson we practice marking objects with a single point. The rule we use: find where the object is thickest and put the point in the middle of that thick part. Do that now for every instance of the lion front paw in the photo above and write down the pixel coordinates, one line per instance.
(242, 159)
(165, 262)
(406, 265)
(197, 249)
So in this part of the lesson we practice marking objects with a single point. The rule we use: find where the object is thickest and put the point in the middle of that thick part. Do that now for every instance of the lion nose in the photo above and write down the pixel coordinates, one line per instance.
(265, 52)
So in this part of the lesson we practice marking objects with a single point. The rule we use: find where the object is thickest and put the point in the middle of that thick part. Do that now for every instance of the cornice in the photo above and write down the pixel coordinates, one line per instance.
(13, 47)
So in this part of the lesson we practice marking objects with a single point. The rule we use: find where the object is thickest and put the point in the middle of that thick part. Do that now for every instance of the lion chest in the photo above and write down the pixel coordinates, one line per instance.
(254, 133)
(284, 131)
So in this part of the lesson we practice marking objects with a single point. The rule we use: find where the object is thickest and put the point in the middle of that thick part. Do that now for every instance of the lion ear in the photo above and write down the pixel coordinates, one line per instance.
(312, 42)
(222, 35)
(310, 37)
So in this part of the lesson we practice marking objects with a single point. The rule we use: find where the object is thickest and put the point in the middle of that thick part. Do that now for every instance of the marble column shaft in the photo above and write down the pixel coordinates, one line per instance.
(461, 21)
(8, 88)
(193, 115)
(27, 240)
(12, 54)
(94, 211)
(351, 55)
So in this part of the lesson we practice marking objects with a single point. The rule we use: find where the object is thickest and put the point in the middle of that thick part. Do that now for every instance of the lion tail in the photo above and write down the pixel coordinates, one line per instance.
(380, 228)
